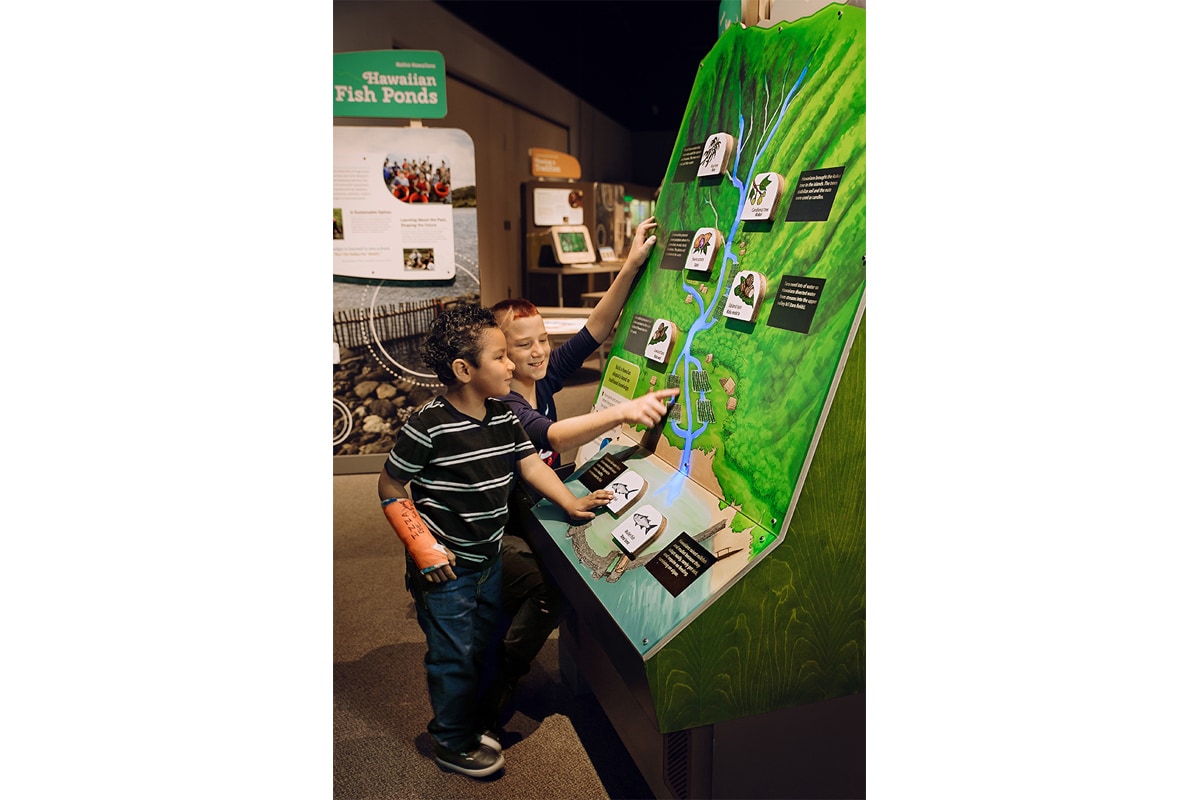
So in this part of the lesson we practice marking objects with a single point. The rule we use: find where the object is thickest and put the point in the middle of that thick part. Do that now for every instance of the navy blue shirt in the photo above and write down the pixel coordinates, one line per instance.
(564, 361)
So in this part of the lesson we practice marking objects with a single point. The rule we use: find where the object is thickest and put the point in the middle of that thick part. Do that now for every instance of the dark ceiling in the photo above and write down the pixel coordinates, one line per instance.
(633, 60)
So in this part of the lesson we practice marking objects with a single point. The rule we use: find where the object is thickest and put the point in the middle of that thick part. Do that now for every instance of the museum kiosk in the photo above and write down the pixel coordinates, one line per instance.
(718, 601)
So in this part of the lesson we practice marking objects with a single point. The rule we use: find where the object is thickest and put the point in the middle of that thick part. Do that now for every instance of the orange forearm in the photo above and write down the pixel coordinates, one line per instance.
(426, 551)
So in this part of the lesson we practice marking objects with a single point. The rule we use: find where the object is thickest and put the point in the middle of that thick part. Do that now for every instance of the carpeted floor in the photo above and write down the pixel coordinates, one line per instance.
(556, 744)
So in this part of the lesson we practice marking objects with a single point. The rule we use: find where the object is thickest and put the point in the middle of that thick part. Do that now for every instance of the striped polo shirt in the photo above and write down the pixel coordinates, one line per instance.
(461, 472)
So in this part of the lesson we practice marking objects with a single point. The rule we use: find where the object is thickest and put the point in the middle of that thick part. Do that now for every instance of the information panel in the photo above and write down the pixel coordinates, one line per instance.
(394, 193)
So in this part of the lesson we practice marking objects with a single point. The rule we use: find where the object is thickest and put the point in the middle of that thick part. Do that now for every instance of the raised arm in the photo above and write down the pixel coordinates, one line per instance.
(604, 316)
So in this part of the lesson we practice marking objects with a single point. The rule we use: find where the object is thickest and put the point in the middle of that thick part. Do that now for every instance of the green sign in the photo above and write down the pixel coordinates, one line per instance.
(389, 83)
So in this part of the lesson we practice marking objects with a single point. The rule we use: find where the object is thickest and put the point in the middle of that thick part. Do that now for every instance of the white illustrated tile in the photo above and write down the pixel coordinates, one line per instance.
(762, 196)
(641, 526)
(705, 245)
(714, 158)
(662, 337)
(627, 489)
(745, 295)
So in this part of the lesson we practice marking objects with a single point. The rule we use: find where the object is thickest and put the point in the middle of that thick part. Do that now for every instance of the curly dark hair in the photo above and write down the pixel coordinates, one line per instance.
(453, 335)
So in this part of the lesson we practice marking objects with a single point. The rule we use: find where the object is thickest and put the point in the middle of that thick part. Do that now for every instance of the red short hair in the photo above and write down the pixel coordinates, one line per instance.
(513, 308)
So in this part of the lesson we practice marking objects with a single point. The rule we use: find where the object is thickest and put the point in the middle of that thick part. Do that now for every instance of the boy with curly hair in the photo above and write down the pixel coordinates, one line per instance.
(459, 454)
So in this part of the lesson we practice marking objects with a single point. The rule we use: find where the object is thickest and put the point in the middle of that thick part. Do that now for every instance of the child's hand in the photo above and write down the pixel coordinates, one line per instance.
(443, 572)
(648, 409)
(582, 505)
(643, 243)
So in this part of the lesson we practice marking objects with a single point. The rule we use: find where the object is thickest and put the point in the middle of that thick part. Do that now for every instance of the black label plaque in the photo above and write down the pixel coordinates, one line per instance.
(689, 163)
(677, 251)
(601, 473)
(813, 198)
(796, 303)
(639, 334)
(678, 564)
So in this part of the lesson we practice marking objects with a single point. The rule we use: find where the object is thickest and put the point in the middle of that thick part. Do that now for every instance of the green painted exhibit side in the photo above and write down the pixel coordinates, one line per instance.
(793, 98)
(792, 630)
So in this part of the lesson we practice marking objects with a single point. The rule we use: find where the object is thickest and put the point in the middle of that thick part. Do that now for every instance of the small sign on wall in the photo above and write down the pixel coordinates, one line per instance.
(556, 206)
(408, 84)
(545, 163)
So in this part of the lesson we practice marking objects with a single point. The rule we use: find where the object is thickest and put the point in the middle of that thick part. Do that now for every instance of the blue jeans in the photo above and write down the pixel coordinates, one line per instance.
(459, 619)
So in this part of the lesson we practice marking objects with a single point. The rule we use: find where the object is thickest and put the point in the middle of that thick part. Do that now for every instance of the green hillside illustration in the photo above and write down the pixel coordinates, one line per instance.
(793, 96)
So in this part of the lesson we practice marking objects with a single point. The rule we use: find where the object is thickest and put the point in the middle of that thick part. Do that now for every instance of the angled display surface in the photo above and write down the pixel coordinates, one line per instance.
(788, 207)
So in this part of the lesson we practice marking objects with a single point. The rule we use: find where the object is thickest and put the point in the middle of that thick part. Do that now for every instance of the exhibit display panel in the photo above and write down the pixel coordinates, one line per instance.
(732, 573)
(393, 209)
(405, 246)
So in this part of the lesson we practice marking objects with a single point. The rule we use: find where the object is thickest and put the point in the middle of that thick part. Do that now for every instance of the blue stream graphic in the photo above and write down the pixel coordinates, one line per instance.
(707, 317)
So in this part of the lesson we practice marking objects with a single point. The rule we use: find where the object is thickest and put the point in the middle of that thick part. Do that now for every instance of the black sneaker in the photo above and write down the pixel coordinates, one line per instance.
(478, 763)
(490, 738)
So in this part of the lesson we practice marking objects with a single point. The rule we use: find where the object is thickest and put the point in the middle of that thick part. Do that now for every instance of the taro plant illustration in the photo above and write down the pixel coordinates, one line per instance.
(745, 289)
